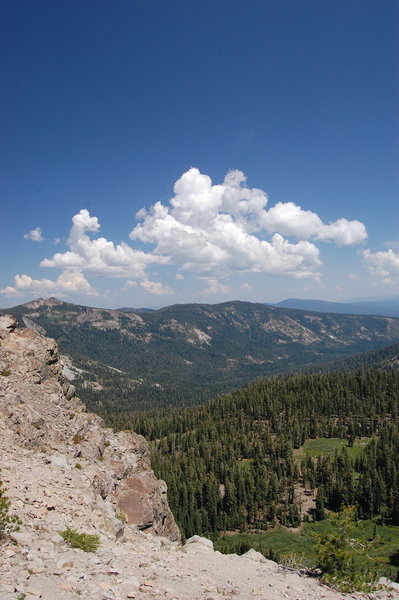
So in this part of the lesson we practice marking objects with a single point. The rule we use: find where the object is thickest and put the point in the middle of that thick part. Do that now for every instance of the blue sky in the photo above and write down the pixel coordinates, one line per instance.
(256, 140)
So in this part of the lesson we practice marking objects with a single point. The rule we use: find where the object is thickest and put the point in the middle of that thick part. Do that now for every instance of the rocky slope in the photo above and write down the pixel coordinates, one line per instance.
(63, 469)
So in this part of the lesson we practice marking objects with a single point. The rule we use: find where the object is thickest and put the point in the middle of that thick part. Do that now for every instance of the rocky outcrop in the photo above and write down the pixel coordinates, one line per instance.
(141, 499)
(63, 469)
(40, 412)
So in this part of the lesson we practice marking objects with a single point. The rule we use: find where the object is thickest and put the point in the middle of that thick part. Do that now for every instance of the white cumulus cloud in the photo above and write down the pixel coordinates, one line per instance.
(289, 219)
(215, 286)
(69, 282)
(36, 235)
(156, 287)
(343, 232)
(383, 264)
(99, 256)
(217, 229)
(209, 229)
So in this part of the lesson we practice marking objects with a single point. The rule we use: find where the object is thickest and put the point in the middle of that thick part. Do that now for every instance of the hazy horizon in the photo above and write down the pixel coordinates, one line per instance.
(158, 307)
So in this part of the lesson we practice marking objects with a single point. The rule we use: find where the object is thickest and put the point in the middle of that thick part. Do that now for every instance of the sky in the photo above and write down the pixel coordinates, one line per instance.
(155, 152)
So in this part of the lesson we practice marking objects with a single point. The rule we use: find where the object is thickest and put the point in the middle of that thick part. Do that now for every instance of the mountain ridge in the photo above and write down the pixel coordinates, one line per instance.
(187, 353)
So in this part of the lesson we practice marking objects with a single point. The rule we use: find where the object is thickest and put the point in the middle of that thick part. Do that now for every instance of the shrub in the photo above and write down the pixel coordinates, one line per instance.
(85, 541)
(293, 561)
(5, 373)
(335, 553)
(8, 523)
(121, 515)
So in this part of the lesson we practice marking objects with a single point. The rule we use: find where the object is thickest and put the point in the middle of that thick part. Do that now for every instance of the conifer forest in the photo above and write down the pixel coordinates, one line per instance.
(236, 463)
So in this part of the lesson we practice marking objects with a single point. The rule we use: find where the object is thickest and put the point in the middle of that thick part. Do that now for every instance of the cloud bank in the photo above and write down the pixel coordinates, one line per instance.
(69, 282)
(210, 230)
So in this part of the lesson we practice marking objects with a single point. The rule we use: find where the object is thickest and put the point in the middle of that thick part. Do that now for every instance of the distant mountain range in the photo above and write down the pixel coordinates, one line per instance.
(386, 306)
(185, 354)
(129, 309)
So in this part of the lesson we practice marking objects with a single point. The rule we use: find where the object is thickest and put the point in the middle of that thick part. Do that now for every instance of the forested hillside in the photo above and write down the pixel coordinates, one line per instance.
(383, 358)
(237, 463)
(187, 354)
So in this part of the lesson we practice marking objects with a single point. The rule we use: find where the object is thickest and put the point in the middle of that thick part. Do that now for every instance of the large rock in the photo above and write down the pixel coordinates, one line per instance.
(7, 324)
(197, 541)
(101, 480)
(143, 500)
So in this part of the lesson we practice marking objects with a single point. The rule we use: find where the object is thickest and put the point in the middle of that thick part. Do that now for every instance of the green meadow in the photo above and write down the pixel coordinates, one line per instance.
(326, 446)
(298, 548)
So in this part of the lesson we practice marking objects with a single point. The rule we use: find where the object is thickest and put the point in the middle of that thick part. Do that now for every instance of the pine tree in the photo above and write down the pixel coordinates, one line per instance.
(320, 514)
(8, 523)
